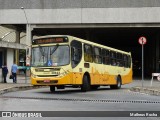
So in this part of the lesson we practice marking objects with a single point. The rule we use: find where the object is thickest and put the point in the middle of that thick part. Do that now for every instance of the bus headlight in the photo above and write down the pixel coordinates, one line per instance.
(33, 75)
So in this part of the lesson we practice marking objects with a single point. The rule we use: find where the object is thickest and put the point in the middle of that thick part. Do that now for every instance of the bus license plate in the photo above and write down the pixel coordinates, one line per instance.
(46, 73)
(46, 81)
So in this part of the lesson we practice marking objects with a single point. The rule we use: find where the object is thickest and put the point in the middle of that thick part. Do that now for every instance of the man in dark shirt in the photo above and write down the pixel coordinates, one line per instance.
(4, 72)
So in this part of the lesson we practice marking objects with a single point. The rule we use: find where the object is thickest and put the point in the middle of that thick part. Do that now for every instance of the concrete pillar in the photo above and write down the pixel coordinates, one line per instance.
(1, 77)
(1, 54)
(10, 56)
(28, 50)
(17, 51)
(157, 53)
(2, 57)
(28, 43)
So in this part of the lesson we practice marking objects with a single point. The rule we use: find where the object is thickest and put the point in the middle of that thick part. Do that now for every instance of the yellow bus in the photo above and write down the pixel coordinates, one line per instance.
(62, 60)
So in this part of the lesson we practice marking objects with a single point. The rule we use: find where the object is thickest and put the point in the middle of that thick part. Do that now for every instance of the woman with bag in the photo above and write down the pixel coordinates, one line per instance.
(14, 72)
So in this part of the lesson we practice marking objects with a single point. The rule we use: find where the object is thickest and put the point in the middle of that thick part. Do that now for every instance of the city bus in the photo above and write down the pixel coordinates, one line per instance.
(60, 61)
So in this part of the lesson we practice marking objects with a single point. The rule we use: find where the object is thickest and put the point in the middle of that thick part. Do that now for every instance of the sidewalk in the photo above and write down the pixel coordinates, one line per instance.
(147, 88)
(23, 83)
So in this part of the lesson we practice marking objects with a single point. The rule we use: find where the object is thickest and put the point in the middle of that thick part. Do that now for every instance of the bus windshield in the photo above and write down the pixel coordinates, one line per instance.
(47, 56)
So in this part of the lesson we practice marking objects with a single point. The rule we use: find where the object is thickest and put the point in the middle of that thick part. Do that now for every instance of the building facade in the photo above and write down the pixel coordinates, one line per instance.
(10, 45)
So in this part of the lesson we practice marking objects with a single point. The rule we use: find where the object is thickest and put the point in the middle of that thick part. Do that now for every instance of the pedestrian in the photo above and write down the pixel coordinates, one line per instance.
(4, 72)
(14, 72)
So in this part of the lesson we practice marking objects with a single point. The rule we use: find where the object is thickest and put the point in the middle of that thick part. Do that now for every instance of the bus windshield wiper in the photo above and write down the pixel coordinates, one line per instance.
(51, 52)
(42, 52)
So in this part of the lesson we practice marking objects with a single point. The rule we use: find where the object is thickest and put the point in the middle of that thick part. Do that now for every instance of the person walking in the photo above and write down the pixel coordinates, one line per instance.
(14, 72)
(4, 72)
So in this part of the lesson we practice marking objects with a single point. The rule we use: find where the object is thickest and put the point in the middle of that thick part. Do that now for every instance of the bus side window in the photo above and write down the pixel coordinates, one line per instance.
(114, 62)
(125, 61)
(97, 55)
(76, 53)
(106, 56)
(113, 58)
(119, 60)
(88, 53)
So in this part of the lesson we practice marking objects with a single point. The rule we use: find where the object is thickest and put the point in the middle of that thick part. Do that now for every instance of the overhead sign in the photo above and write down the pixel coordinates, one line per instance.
(142, 40)
(50, 40)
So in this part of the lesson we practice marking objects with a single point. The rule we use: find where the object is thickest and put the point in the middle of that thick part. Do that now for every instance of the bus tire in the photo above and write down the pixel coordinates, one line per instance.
(118, 84)
(52, 88)
(85, 85)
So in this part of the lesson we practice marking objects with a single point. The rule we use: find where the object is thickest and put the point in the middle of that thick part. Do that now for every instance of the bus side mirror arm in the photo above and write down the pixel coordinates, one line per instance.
(27, 51)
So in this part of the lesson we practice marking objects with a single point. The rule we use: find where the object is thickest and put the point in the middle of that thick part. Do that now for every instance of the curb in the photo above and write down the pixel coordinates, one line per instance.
(17, 88)
(149, 91)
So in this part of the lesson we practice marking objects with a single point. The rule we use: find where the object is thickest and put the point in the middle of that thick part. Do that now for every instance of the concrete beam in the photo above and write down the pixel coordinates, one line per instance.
(81, 15)
(12, 45)
(92, 25)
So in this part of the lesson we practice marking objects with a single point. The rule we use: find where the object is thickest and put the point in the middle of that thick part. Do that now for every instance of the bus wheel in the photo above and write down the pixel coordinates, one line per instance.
(85, 85)
(118, 85)
(52, 88)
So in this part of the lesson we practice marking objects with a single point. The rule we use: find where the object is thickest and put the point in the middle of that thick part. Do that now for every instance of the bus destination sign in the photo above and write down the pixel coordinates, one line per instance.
(50, 40)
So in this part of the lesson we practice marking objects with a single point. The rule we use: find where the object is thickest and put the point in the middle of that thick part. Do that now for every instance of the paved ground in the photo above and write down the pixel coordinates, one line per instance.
(21, 79)
(24, 83)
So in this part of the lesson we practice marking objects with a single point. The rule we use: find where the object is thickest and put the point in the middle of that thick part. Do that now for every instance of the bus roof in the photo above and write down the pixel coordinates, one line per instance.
(87, 42)
(99, 45)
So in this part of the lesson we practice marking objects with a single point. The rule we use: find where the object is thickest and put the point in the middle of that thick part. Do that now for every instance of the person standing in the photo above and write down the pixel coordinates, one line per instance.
(14, 72)
(4, 72)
